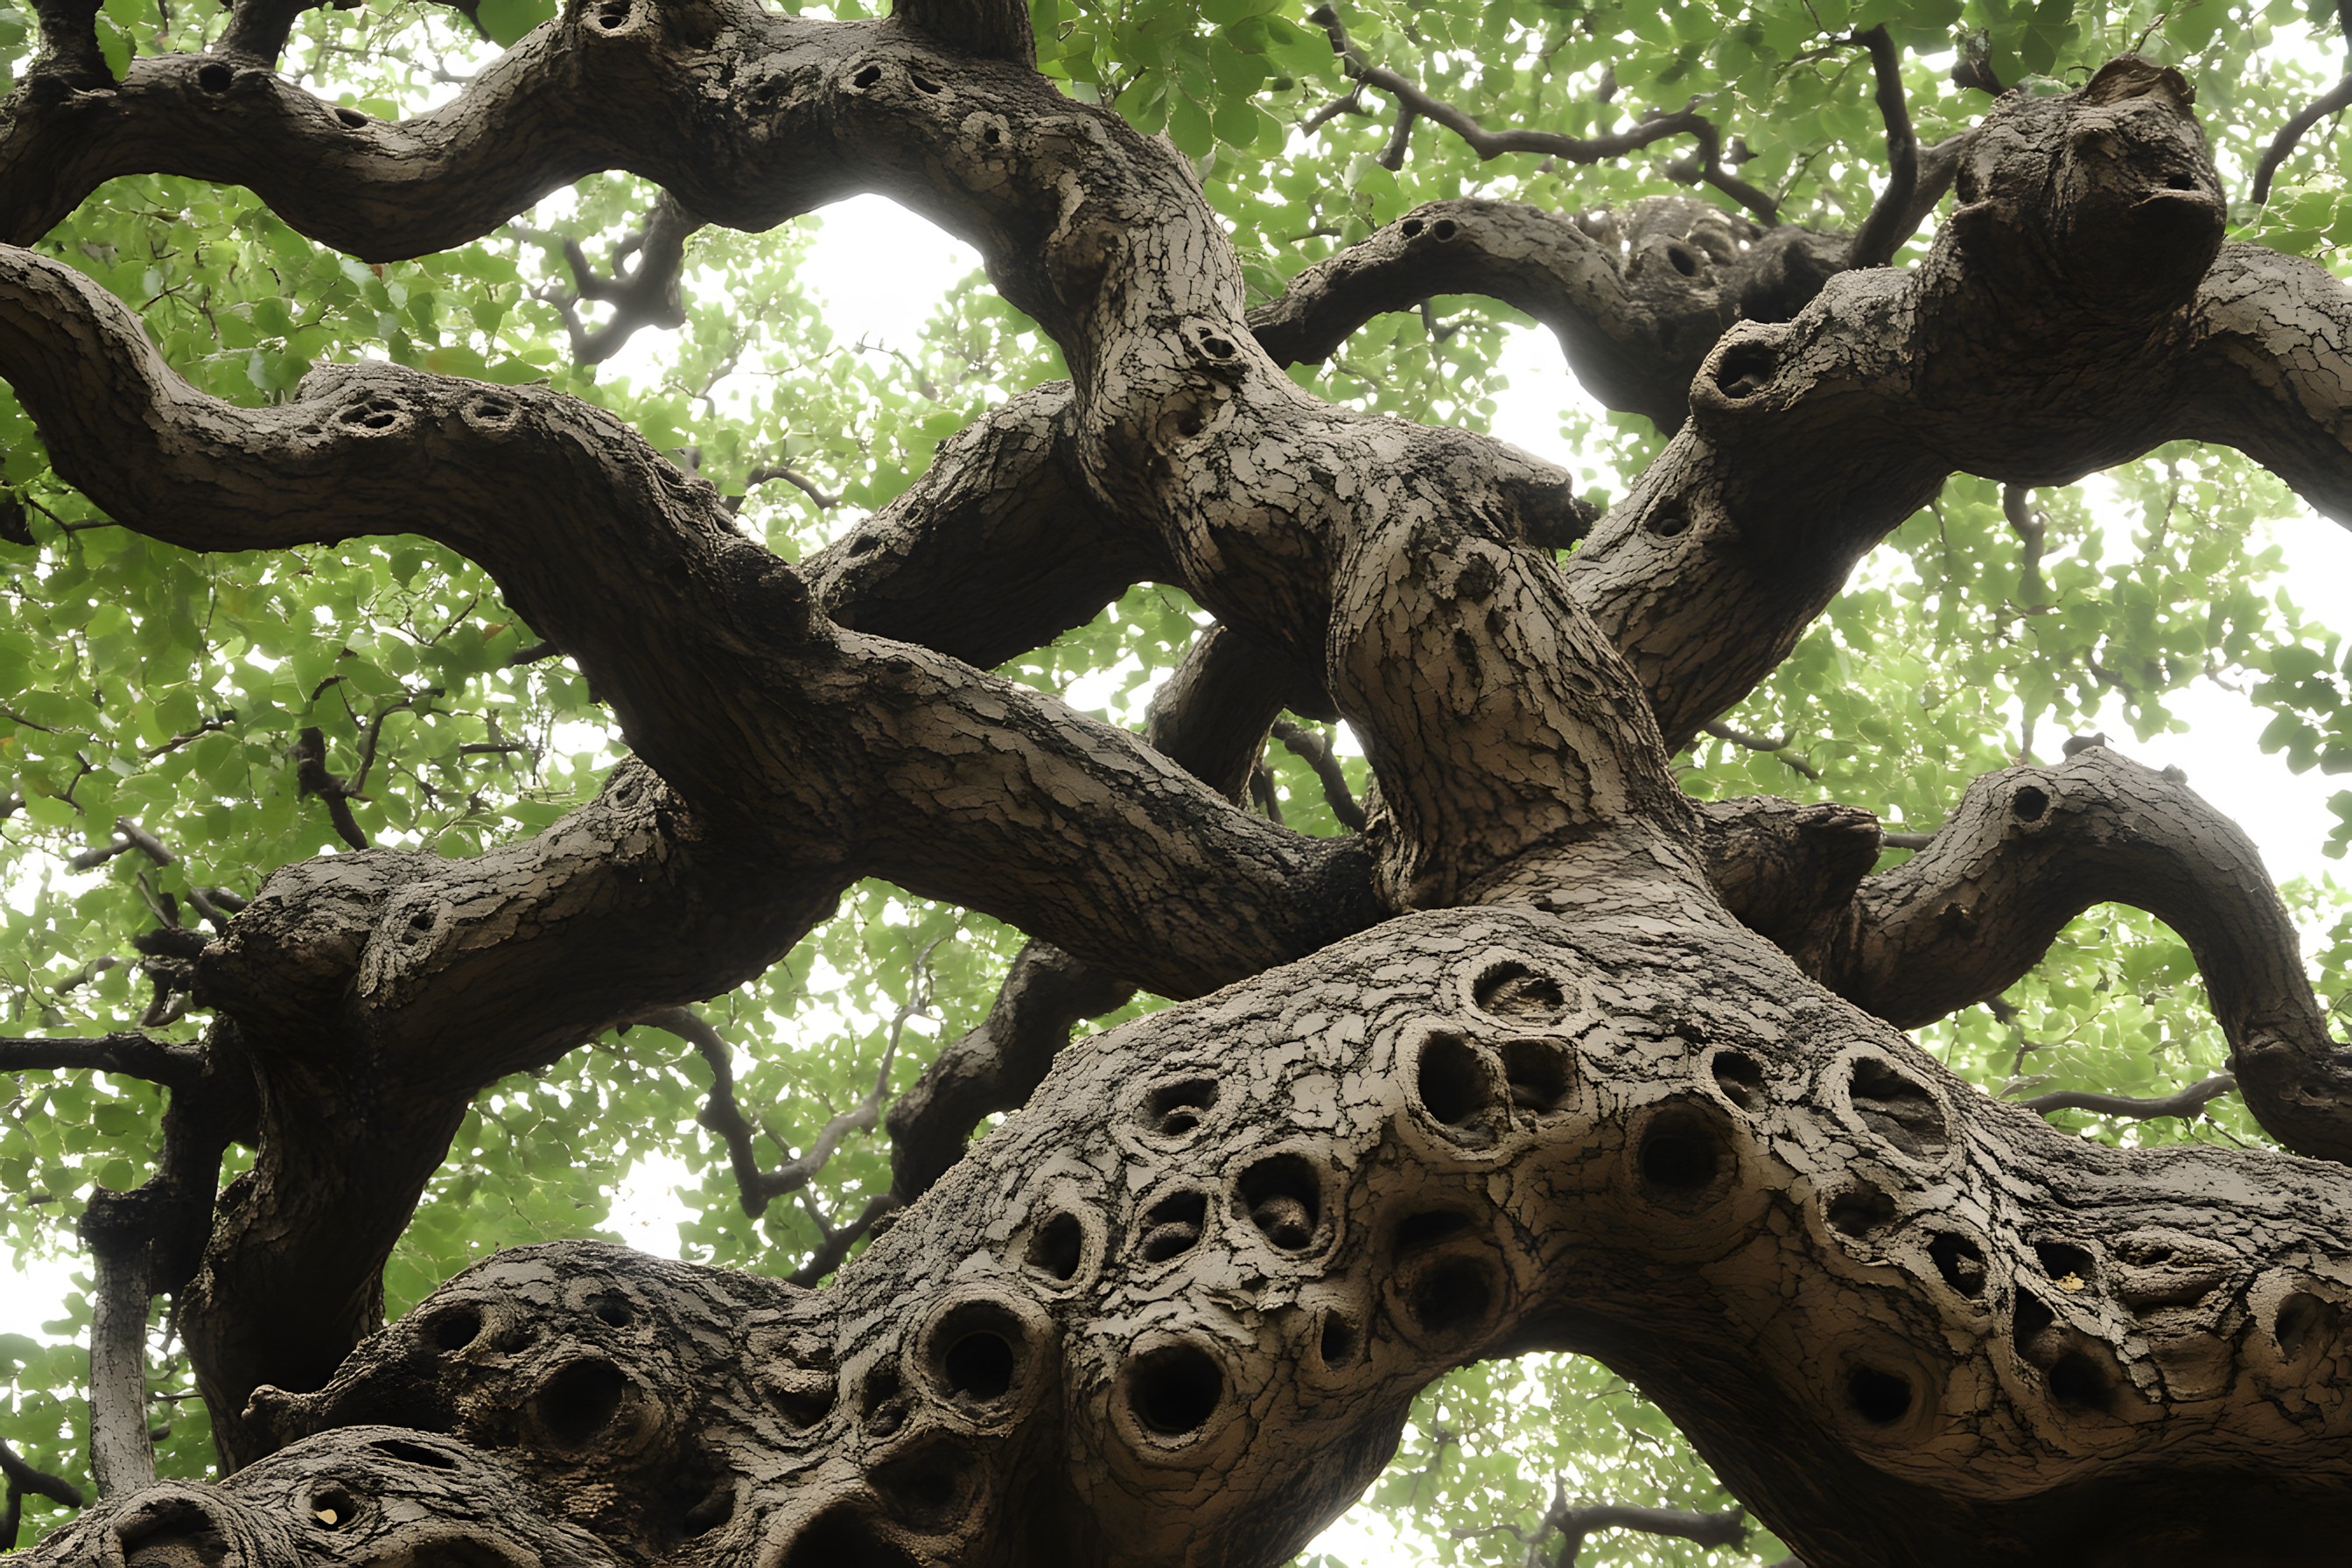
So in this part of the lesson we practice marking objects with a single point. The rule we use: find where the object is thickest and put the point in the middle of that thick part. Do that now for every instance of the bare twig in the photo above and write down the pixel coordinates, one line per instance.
(1709, 167)
(836, 1243)
(645, 296)
(1780, 749)
(1890, 221)
(2334, 100)
(1574, 1524)
(134, 837)
(792, 477)
(22, 1479)
(129, 1053)
(309, 758)
(2029, 526)
(1314, 749)
(2187, 1102)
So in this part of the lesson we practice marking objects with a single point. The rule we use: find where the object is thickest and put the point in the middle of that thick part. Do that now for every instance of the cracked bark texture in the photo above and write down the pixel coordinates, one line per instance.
(1546, 1057)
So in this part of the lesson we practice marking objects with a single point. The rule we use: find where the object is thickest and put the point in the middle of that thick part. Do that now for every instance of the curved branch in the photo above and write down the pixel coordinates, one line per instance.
(2333, 101)
(1890, 221)
(2027, 849)
(1707, 166)
(23, 1478)
(646, 296)
(2183, 1102)
(131, 1053)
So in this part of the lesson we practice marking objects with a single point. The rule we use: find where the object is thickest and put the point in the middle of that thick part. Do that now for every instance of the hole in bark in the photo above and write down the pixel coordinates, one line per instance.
(375, 413)
(2061, 1259)
(492, 410)
(1176, 1108)
(842, 1539)
(333, 1506)
(1745, 369)
(1175, 1389)
(351, 119)
(1879, 1397)
(2028, 803)
(2302, 1321)
(865, 544)
(1740, 1076)
(1284, 1200)
(214, 78)
(714, 1507)
(1684, 262)
(613, 1311)
(1453, 1296)
(992, 135)
(1174, 1226)
(2031, 1319)
(1897, 1110)
(1679, 1156)
(1410, 227)
(611, 16)
(2076, 1381)
(1336, 1341)
(2179, 182)
(1512, 990)
(1057, 1247)
(1217, 348)
(1668, 520)
(1189, 423)
(409, 1453)
(867, 76)
(579, 1402)
(1537, 1074)
(979, 1366)
(928, 1490)
(456, 1328)
(174, 1533)
(922, 83)
(1960, 1260)
(1453, 1086)
(1422, 1231)
(1860, 1211)
(1444, 228)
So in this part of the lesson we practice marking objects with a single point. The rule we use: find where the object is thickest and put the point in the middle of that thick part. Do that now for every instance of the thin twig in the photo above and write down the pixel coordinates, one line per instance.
(1314, 749)
(1765, 743)
(1890, 221)
(2030, 526)
(835, 1245)
(22, 1479)
(2334, 98)
(1685, 122)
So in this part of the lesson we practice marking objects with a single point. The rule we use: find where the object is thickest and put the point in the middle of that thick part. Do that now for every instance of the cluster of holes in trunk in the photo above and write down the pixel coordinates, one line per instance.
(1537, 1075)
(1057, 1247)
(1176, 1109)
(375, 413)
(1173, 1389)
(977, 1350)
(1881, 1398)
(1740, 1076)
(579, 1402)
(1337, 1340)
(1745, 369)
(843, 1537)
(1960, 1260)
(1451, 1297)
(1680, 1156)
(1456, 1088)
(1283, 1198)
(929, 1489)
(1514, 990)
(176, 1533)
(1898, 1110)
(2304, 1320)
(1861, 1211)
(882, 1402)
(1173, 1226)
(2073, 1378)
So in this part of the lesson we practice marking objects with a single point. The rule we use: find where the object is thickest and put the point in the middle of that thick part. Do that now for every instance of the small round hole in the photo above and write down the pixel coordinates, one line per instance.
(2029, 804)
(1172, 1228)
(1740, 1078)
(214, 78)
(1057, 1247)
(456, 1328)
(1451, 1297)
(1746, 369)
(1336, 1344)
(1960, 1262)
(867, 76)
(1683, 261)
(979, 1365)
(1444, 228)
(1284, 1199)
(1536, 1071)
(1667, 521)
(1879, 1397)
(1173, 1110)
(611, 1311)
(1410, 227)
(1512, 990)
(351, 119)
(1453, 1083)
(1678, 1156)
(2077, 1381)
(579, 1401)
(1174, 1389)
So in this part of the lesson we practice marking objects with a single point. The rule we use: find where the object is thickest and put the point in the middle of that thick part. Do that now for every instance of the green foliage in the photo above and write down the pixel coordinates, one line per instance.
(139, 681)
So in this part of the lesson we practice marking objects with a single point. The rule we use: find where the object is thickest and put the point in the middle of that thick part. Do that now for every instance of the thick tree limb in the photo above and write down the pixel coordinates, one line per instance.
(130, 1053)
(23, 1478)
(2027, 849)
(1890, 221)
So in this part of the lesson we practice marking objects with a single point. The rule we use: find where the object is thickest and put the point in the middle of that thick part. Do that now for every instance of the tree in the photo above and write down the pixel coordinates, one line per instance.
(1556, 1050)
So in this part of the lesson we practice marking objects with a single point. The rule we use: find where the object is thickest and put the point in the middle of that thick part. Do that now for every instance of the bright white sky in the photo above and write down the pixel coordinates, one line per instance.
(883, 271)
